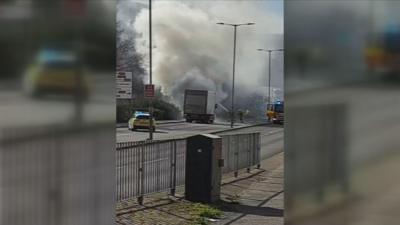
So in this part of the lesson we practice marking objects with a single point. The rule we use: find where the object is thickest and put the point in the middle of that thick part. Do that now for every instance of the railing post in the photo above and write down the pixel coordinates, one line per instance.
(236, 155)
(258, 149)
(125, 176)
(249, 148)
(173, 169)
(140, 200)
(171, 163)
(117, 172)
(141, 179)
(119, 188)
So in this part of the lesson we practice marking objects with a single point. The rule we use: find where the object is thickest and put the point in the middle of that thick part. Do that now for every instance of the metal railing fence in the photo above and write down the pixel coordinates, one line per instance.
(240, 151)
(148, 167)
(57, 174)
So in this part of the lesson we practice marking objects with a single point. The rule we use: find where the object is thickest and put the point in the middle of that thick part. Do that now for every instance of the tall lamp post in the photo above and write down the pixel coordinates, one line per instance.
(233, 69)
(269, 69)
(150, 74)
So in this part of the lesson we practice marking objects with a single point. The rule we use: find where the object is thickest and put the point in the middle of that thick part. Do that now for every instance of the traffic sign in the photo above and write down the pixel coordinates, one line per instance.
(124, 85)
(149, 91)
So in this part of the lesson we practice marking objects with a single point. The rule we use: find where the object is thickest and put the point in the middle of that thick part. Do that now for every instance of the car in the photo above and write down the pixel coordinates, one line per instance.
(141, 121)
(56, 72)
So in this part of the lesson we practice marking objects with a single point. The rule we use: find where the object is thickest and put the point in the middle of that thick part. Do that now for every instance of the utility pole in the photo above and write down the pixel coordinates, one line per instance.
(269, 76)
(233, 69)
(233, 78)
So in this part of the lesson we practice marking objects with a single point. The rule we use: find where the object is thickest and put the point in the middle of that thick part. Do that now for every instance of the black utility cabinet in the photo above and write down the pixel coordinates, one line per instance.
(203, 168)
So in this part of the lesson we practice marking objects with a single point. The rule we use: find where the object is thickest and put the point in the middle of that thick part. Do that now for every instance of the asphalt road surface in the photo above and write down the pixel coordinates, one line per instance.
(178, 129)
(271, 135)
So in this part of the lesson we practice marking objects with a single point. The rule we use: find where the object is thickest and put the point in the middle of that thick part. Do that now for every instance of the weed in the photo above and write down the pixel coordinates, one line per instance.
(202, 211)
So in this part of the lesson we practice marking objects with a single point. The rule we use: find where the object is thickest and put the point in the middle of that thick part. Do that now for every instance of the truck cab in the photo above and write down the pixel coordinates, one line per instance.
(275, 112)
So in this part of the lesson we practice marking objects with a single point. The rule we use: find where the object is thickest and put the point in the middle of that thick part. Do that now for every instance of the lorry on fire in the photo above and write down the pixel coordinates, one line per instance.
(199, 106)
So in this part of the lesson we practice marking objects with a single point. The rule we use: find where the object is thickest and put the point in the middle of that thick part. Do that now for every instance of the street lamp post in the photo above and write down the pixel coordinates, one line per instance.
(269, 69)
(233, 66)
(150, 74)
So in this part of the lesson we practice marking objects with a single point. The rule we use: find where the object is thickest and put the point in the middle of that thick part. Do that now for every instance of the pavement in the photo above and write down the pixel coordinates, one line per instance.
(256, 197)
(251, 198)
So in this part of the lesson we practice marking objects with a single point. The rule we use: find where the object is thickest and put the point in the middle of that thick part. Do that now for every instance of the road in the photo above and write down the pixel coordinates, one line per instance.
(271, 135)
(170, 130)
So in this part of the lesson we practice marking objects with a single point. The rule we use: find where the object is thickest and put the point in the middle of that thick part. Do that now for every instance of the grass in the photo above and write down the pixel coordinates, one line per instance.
(201, 212)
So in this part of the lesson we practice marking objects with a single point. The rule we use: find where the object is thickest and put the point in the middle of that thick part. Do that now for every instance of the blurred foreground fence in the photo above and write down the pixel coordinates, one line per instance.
(57, 174)
(148, 167)
(317, 160)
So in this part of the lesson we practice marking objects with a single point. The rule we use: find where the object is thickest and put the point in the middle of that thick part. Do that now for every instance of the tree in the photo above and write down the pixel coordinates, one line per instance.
(129, 60)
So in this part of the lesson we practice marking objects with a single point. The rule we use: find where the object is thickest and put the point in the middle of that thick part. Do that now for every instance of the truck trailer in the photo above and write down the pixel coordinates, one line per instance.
(199, 106)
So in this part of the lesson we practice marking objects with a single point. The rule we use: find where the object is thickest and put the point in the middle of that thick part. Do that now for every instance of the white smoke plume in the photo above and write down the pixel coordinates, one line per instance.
(191, 51)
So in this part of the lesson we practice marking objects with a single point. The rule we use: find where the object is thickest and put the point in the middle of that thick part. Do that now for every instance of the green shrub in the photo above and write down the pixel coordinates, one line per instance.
(162, 109)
